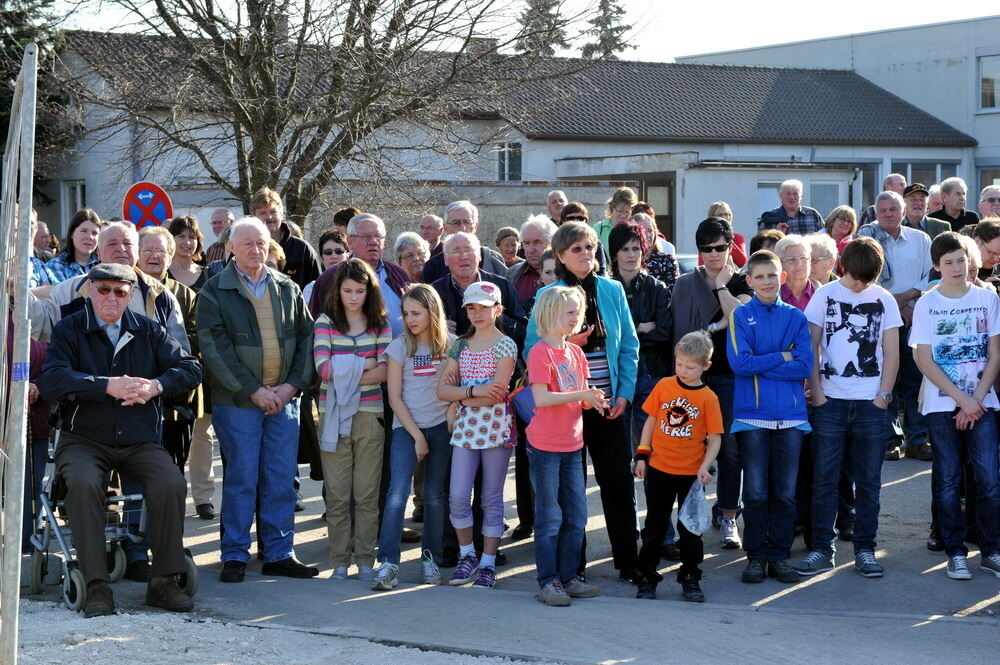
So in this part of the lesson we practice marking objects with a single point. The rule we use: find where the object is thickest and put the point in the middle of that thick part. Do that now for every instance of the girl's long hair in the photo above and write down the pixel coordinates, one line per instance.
(376, 317)
(427, 297)
(498, 312)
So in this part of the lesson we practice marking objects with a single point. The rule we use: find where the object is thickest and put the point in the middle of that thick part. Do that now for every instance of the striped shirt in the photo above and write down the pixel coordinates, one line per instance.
(600, 371)
(330, 342)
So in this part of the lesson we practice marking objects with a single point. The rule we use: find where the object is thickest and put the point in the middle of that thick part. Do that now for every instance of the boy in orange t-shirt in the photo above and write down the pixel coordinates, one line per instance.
(679, 443)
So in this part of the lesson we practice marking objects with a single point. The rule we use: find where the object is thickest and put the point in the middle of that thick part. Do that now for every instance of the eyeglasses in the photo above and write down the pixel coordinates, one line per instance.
(462, 251)
(409, 256)
(104, 290)
(154, 250)
(817, 259)
(338, 251)
(576, 249)
(370, 238)
(708, 249)
(992, 199)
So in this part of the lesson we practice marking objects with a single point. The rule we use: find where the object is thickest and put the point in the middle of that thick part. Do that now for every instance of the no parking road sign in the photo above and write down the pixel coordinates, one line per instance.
(146, 204)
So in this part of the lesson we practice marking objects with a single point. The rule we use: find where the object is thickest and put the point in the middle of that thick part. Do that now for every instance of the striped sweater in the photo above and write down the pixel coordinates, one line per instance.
(328, 343)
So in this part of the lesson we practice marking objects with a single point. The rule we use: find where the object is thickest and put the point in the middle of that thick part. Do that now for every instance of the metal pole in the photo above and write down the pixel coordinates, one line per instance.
(10, 566)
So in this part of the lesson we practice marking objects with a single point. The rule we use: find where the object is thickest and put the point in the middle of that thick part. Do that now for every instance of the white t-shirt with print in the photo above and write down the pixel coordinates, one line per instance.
(851, 343)
(958, 331)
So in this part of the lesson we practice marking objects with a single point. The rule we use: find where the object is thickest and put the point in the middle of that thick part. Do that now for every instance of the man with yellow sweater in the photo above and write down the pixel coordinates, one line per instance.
(255, 335)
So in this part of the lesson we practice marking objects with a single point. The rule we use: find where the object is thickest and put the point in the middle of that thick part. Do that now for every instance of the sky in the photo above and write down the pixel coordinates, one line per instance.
(666, 29)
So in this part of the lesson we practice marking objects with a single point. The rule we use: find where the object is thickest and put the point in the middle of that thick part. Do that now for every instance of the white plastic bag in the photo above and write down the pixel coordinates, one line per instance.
(695, 514)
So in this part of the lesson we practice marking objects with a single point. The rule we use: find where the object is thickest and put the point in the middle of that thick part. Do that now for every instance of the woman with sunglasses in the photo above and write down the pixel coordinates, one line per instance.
(703, 300)
(611, 346)
(332, 251)
(574, 211)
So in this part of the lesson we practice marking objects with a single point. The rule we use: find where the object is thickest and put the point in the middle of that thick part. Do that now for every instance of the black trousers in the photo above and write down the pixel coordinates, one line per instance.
(84, 466)
(662, 491)
(525, 494)
(610, 451)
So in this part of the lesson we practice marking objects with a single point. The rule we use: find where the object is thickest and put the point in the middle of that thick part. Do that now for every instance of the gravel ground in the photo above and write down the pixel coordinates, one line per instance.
(50, 634)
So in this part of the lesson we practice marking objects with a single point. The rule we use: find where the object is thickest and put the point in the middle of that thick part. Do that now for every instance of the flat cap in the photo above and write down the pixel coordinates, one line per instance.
(112, 272)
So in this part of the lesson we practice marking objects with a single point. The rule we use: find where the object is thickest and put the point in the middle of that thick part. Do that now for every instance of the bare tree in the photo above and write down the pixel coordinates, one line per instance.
(297, 95)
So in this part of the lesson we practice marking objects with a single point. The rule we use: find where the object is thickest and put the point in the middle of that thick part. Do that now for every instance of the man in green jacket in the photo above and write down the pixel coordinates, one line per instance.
(255, 334)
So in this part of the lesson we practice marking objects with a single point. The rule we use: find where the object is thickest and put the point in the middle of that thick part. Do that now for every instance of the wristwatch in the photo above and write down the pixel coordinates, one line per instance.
(886, 397)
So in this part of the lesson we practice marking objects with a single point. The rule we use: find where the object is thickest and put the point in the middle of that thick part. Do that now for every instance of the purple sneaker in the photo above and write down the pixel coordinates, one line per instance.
(465, 571)
(487, 579)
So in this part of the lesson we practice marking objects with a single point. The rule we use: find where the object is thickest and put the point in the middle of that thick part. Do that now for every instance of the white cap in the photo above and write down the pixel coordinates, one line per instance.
(481, 293)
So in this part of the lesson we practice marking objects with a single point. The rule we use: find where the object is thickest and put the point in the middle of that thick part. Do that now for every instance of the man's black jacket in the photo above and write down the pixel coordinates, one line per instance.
(80, 359)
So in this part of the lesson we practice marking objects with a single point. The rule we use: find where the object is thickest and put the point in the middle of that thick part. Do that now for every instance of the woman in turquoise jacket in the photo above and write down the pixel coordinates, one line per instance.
(611, 345)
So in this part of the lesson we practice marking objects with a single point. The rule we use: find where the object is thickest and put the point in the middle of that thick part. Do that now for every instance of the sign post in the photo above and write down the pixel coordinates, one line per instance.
(146, 204)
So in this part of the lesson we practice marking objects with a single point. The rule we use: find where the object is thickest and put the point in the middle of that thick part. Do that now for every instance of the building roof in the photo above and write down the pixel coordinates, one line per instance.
(627, 100)
(622, 100)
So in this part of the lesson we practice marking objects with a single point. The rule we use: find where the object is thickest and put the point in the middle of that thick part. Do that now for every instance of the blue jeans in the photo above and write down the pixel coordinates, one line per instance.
(728, 462)
(560, 513)
(770, 466)
(837, 424)
(402, 462)
(981, 447)
(260, 453)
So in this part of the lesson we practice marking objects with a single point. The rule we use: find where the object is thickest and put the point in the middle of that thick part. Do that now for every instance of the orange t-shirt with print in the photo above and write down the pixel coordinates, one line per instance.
(683, 418)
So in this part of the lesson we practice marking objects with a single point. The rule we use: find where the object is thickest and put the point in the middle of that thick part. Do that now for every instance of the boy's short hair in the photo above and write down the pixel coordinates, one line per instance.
(696, 345)
(863, 259)
(946, 243)
(760, 257)
(552, 304)
(547, 255)
(765, 237)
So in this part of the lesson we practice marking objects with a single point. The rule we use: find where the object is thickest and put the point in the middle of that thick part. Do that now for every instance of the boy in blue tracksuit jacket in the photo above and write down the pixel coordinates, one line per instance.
(770, 352)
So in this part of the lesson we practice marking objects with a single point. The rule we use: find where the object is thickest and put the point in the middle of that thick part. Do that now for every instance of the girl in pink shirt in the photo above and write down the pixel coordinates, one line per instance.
(557, 372)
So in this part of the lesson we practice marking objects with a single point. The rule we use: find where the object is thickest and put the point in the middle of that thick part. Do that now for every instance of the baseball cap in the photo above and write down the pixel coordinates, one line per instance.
(914, 188)
(112, 272)
(481, 293)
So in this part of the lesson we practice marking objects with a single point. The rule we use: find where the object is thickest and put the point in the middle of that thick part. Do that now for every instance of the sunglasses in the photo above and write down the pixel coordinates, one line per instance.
(708, 249)
(104, 290)
(338, 251)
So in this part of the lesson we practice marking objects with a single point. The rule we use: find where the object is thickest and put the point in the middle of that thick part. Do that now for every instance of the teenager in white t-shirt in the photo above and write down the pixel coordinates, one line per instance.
(956, 337)
(854, 325)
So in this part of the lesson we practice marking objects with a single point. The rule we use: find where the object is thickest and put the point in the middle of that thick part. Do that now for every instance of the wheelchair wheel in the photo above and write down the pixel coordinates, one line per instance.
(188, 580)
(116, 562)
(39, 567)
(74, 589)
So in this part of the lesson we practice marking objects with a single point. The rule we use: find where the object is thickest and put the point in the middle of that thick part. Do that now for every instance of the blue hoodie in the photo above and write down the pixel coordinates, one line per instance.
(767, 386)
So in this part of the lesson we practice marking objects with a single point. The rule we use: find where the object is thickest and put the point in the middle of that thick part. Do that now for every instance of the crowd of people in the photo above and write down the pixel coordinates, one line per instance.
(787, 368)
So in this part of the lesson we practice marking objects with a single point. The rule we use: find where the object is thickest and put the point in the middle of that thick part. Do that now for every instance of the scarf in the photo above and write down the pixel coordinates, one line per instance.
(593, 314)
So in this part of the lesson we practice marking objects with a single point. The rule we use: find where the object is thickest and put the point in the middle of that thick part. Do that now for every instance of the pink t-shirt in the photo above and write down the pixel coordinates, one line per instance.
(557, 429)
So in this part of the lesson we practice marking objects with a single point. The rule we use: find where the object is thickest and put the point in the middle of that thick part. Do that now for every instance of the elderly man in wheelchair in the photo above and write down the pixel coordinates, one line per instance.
(107, 368)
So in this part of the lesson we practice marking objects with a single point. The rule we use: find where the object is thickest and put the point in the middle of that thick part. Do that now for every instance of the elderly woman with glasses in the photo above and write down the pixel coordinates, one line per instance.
(611, 345)
(841, 225)
(412, 252)
(823, 258)
(796, 254)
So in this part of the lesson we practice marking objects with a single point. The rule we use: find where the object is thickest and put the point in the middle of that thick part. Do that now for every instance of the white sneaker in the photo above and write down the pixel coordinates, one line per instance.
(365, 573)
(730, 534)
(339, 573)
(958, 568)
(432, 574)
(385, 577)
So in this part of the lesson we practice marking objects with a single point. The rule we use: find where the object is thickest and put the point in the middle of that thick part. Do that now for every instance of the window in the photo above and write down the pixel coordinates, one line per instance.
(989, 82)
(767, 195)
(926, 173)
(508, 161)
(824, 196)
(989, 176)
(74, 197)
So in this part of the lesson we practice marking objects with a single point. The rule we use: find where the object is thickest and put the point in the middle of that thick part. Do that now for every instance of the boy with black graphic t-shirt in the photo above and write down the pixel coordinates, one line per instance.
(854, 324)
(956, 337)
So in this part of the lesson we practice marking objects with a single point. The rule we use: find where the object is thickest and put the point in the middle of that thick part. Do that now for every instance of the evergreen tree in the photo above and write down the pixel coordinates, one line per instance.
(542, 30)
(21, 23)
(607, 31)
